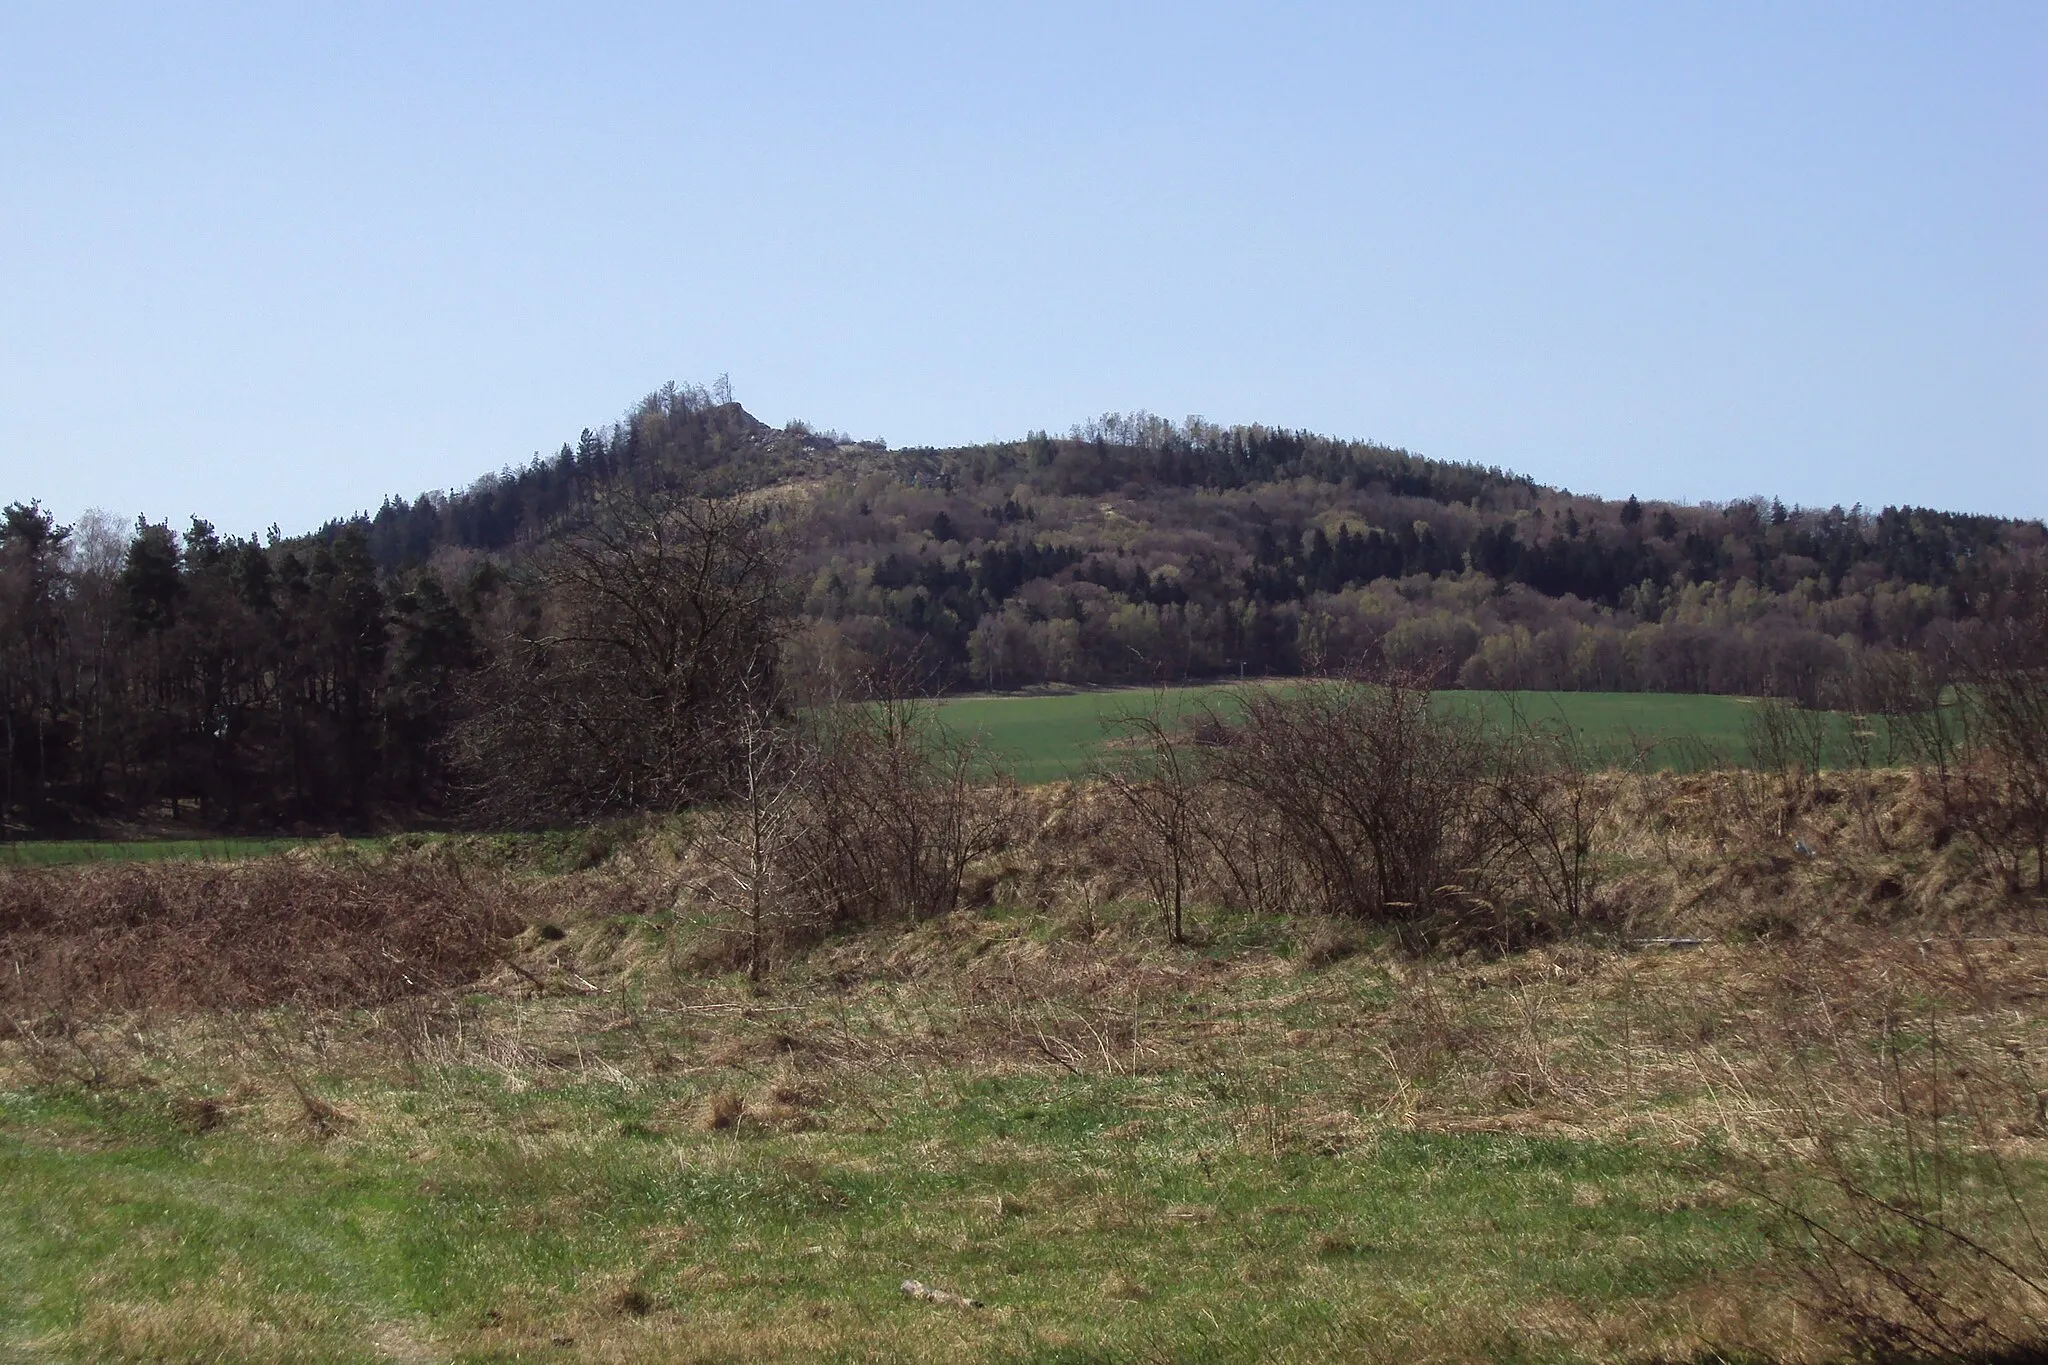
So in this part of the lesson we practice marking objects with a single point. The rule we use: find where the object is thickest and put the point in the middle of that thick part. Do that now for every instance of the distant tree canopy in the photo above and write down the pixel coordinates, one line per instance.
(342, 678)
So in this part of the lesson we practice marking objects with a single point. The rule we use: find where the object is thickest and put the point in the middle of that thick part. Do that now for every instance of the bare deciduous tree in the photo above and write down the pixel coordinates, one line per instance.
(621, 690)
(1158, 777)
(753, 840)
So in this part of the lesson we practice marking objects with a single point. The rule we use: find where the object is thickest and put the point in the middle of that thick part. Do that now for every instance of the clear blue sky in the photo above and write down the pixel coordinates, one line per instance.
(269, 262)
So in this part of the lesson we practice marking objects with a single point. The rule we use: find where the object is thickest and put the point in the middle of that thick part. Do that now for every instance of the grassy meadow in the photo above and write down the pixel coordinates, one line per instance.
(1212, 1167)
(1286, 1139)
(1233, 1151)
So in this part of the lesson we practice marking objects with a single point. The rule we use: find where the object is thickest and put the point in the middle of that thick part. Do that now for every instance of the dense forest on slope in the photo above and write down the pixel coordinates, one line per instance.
(152, 673)
(1141, 550)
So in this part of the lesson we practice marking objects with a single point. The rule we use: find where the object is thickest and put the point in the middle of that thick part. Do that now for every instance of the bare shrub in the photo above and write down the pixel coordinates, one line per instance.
(1974, 715)
(1359, 798)
(1378, 800)
(1548, 796)
(1787, 744)
(1248, 845)
(891, 810)
(1878, 694)
(1915, 695)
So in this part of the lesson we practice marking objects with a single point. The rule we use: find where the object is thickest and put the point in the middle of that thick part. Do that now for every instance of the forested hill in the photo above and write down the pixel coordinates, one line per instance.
(674, 434)
(1139, 550)
(150, 673)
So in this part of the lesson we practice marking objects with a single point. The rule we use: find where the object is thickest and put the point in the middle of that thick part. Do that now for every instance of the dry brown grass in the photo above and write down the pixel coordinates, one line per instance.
(1297, 1039)
(1681, 1049)
(1069, 969)
(194, 935)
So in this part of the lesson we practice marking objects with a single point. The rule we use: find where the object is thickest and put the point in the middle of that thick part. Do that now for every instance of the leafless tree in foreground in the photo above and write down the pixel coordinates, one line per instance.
(753, 840)
(624, 691)
(1160, 780)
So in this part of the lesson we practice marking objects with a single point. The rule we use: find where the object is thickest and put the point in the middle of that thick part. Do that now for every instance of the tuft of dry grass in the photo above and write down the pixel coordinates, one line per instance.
(722, 1112)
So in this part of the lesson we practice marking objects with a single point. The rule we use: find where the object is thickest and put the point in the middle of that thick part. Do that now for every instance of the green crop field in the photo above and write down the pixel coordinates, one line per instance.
(1046, 738)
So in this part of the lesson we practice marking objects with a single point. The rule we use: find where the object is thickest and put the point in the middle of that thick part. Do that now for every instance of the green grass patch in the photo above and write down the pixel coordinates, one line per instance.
(1056, 736)
(1099, 1218)
(54, 852)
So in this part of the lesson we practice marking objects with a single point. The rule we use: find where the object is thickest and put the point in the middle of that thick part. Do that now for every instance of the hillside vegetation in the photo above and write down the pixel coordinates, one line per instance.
(1139, 550)
(177, 677)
